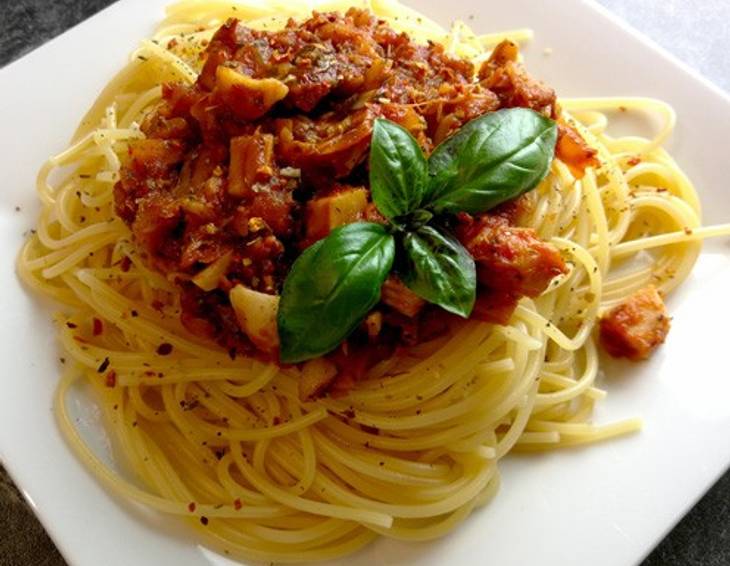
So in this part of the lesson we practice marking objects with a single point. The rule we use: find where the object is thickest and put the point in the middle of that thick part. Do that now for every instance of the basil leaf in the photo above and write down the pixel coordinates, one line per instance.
(440, 270)
(330, 289)
(491, 159)
(398, 170)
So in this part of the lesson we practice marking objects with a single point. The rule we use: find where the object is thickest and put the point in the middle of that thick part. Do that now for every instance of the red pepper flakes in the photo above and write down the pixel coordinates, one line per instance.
(191, 506)
(111, 379)
(104, 365)
(125, 264)
(237, 504)
(71, 325)
(98, 326)
(164, 349)
(204, 520)
(370, 429)
(172, 43)
(634, 161)
(189, 405)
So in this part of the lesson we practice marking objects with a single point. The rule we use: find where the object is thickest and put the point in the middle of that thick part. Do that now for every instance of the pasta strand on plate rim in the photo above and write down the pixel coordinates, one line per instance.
(414, 448)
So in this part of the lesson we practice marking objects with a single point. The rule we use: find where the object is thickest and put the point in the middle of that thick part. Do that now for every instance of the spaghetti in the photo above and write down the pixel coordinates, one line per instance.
(414, 448)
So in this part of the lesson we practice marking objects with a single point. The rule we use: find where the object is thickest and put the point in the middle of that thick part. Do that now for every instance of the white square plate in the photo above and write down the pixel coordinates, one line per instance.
(602, 505)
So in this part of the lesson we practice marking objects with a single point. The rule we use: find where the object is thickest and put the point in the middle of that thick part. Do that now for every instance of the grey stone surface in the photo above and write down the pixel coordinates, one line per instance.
(696, 31)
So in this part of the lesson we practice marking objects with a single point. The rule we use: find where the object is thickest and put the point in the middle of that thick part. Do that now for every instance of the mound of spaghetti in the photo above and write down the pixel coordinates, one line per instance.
(237, 139)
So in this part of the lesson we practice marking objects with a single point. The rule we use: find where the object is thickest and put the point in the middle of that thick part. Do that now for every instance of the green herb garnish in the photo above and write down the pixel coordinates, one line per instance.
(336, 282)
(331, 287)
(437, 268)
(398, 170)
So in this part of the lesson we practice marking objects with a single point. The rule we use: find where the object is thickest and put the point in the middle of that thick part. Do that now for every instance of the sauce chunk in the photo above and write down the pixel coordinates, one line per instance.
(637, 326)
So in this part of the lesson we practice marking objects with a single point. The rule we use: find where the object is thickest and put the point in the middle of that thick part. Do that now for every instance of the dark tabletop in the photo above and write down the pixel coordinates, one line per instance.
(697, 31)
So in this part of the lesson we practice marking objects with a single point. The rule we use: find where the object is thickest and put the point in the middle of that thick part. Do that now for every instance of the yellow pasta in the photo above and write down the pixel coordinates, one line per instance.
(228, 446)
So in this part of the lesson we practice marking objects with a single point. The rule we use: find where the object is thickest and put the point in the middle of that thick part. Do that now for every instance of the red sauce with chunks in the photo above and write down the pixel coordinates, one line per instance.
(634, 328)
(267, 152)
(512, 262)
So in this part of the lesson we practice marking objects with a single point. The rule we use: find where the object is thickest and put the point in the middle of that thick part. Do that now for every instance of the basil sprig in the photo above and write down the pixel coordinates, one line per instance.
(336, 281)
(490, 160)
(439, 269)
(398, 170)
(330, 287)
